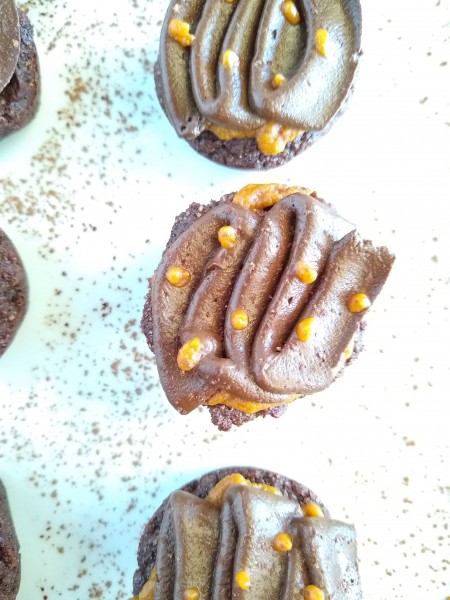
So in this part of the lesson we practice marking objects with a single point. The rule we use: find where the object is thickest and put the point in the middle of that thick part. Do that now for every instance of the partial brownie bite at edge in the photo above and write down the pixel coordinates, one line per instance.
(9, 551)
(20, 98)
(13, 291)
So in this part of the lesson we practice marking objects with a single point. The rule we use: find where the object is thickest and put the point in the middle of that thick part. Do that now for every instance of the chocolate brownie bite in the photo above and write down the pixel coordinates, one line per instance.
(244, 532)
(252, 84)
(19, 70)
(13, 291)
(9, 551)
(259, 299)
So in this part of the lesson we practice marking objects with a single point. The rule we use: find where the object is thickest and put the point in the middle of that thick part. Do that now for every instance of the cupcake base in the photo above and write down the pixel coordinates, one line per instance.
(200, 487)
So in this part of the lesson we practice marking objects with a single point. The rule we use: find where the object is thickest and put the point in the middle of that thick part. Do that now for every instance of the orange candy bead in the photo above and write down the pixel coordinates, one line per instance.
(178, 276)
(189, 354)
(306, 273)
(312, 510)
(282, 542)
(227, 236)
(239, 319)
(179, 31)
(311, 592)
(358, 302)
(290, 11)
(305, 329)
(242, 580)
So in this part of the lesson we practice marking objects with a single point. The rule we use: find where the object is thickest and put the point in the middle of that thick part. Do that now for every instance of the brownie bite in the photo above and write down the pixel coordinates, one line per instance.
(259, 299)
(248, 533)
(13, 291)
(252, 84)
(9, 551)
(19, 70)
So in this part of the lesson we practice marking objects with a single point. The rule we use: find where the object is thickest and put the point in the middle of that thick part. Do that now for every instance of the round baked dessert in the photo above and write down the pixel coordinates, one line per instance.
(251, 84)
(259, 299)
(246, 534)
(9, 551)
(13, 291)
(19, 70)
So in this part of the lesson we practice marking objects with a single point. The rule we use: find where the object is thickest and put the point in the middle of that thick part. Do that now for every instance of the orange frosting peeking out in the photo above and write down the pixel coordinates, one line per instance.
(243, 580)
(265, 487)
(179, 31)
(290, 11)
(272, 138)
(244, 406)
(230, 59)
(191, 593)
(239, 319)
(217, 493)
(257, 196)
(282, 542)
(312, 510)
(278, 80)
(311, 592)
(190, 354)
(358, 302)
(227, 236)
(306, 273)
(321, 41)
(305, 329)
(148, 591)
(178, 276)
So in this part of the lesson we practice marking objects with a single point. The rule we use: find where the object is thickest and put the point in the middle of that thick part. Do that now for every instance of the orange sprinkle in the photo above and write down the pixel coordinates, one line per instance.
(306, 273)
(179, 31)
(230, 59)
(191, 593)
(282, 542)
(239, 319)
(227, 236)
(358, 302)
(312, 510)
(321, 41)
(278, 80)
(290, 11)
(305, 329)
(257, 196)
(178, 276)
(243, 580)
(189, 354)
(311, 592)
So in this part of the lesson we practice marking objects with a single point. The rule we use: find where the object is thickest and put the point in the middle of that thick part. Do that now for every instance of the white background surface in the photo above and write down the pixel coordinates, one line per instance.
(88, 445)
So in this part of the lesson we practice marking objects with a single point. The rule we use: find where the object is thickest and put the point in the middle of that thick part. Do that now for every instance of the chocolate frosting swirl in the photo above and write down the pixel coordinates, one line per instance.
(264, 364)
(9, 41)
(202, 547)
(198, 88)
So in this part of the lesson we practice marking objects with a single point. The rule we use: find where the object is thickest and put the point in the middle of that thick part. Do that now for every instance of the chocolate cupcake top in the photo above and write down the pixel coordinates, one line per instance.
(9, 41)
(247, 541)
(259, 301)
(272, 67)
